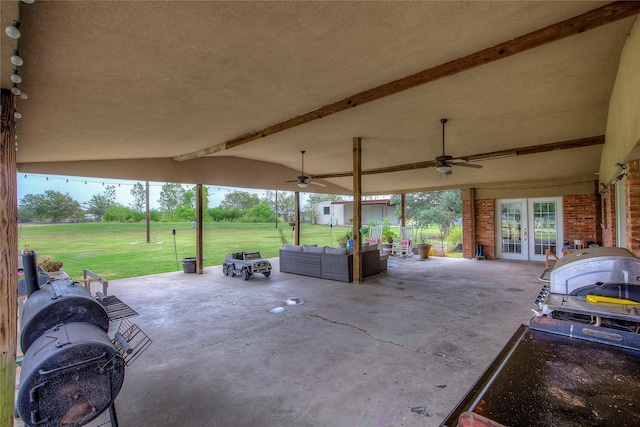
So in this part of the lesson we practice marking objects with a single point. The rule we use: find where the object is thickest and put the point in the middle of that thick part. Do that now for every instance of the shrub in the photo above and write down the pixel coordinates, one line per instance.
(455, 236)
(258, 213)
(224, 214)
(119, 213)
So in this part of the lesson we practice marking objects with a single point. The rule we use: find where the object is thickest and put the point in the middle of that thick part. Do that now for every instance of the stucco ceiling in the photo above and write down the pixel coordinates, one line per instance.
(124, 89)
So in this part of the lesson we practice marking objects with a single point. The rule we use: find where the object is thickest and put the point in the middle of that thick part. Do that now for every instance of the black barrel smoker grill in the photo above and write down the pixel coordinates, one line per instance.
(72, 370)
(578, 361)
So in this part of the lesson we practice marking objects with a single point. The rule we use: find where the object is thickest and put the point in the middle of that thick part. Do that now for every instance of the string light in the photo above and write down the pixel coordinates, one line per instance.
(13, 30)
(16, 59)
(151, 185)
(15, 77)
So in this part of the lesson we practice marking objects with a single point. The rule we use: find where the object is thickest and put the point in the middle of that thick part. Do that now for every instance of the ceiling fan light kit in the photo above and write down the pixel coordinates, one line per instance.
(444, 168)
(444, 163)
(303, 179)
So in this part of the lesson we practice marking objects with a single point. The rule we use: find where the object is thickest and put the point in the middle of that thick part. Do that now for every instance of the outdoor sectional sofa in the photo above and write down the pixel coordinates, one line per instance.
(328, 263)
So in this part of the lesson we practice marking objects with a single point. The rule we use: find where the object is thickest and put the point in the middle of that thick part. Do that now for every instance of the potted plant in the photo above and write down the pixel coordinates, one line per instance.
(349, 237)
(388, 234)
(424, 248)
(345, 238)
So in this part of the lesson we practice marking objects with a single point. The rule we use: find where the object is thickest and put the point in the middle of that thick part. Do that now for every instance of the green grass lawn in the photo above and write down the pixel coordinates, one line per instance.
(119, 250)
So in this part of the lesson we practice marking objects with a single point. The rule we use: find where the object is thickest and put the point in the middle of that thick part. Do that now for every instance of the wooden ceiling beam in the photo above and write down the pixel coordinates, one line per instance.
(587, 21)
(532, 149)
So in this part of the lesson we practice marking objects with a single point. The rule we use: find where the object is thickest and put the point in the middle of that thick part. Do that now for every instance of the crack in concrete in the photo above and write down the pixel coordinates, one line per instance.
(415, 350)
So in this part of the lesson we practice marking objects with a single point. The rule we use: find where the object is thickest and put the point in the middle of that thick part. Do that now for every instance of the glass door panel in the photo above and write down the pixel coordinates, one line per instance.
(513, 230)
(544, 227)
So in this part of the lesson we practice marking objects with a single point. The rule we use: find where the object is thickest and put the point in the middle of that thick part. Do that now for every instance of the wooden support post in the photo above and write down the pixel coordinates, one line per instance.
(297, 218)
(147, 214)
(199, 209)
(357, 209)
(403, 204)
(8, 258)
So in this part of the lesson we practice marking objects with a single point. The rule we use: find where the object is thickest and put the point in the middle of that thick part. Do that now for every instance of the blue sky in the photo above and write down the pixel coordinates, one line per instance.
(81, 189)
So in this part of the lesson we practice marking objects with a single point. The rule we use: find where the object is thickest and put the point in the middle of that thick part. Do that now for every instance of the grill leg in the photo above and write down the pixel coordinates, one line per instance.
(112, 415)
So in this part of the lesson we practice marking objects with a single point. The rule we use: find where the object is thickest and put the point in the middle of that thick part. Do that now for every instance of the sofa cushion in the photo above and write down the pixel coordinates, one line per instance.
(335, 251)
(313, 249)
(293, 248)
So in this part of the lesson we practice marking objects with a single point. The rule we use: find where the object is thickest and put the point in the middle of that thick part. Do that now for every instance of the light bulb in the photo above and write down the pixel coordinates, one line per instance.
(15, 59)
(13, 31)
(444, 168)
(15, 90)
(23, 95)
(17, 115)
(302, 184)
(15, 77)
(28, 1)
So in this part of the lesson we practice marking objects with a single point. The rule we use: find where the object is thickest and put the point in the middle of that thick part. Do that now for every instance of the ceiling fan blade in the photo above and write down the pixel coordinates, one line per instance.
(457, 161)
(317, 183)
(468, 165)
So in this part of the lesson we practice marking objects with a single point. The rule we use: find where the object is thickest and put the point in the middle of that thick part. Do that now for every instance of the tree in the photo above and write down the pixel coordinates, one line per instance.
(139, 194)
(171, 196)
(99, 203)
(33, 207)
(436, 207)
(286, 204)
(50, 206)
(119, 213)
(239, 199)
(258, 213)
(189, 197)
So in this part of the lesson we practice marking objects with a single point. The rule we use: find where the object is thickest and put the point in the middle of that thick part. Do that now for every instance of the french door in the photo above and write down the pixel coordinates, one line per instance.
(526, 228)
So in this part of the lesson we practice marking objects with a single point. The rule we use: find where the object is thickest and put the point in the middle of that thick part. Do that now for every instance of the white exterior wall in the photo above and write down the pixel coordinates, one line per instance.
(335, 215)
(341, 213)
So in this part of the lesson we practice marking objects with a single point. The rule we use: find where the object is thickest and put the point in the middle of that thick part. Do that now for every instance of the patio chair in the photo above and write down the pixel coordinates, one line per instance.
(404, 244)
(375, 235)
(550, 258)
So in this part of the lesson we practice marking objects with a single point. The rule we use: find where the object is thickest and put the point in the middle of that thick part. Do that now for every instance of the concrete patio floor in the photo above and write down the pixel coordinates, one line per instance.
(417, 335)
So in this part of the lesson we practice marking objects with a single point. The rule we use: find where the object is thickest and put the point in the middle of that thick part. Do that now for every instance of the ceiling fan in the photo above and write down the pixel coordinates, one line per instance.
(303, 181)
(444, 162)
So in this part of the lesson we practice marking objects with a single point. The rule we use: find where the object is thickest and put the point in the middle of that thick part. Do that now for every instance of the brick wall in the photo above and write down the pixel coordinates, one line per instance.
(468, 251)
(485, 226)
(632, 187)
(609, 217)
(580, 218)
